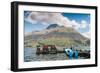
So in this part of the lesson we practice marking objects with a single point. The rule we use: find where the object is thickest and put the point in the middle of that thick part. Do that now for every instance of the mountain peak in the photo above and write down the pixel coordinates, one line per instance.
(53, 26)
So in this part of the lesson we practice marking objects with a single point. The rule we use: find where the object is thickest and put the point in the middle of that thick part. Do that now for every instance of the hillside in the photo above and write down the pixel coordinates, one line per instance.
(57, 35)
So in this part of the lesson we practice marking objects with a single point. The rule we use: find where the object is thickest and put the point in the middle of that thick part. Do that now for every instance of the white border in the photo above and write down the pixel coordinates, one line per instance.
(22, 64)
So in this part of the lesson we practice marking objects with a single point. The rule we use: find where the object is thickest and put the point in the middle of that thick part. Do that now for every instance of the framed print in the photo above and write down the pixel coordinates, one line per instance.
(52, 36)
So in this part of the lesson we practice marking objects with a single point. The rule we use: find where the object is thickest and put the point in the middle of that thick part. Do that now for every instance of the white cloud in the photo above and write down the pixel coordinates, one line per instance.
(75, 24)
(83, 24)
(51, 18)
(48, 18)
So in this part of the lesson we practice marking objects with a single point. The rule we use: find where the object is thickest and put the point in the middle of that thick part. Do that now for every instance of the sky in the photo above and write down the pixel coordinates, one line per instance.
(37, 21)
(79, 18)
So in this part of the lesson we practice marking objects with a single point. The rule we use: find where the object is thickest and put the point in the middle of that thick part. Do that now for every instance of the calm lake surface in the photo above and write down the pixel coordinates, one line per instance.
(30, 55)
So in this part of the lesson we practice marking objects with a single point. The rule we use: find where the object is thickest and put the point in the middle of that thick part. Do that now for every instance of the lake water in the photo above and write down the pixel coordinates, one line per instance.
(30, 55)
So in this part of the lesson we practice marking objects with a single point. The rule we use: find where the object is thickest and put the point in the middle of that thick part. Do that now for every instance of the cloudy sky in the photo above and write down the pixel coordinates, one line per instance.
(37, 21)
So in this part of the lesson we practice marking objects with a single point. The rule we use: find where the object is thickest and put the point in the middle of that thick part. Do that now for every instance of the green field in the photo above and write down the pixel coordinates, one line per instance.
(61, 42)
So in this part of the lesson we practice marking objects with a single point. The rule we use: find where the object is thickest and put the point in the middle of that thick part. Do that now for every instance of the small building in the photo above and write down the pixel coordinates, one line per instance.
(46, 49)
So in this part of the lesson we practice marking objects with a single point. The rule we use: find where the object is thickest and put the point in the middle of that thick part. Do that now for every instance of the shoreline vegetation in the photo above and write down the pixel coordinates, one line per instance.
(58, 42)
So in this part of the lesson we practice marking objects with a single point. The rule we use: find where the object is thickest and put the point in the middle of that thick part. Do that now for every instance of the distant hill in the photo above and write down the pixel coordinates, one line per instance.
(58, 35)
